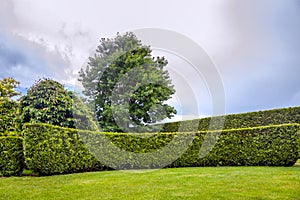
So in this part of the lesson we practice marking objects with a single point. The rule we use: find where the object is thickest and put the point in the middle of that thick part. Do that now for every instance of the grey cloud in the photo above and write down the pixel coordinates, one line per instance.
(28, 61)
(15, 60)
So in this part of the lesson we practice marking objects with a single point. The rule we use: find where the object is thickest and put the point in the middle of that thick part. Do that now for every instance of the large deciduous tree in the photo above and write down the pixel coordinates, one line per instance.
(126, 86)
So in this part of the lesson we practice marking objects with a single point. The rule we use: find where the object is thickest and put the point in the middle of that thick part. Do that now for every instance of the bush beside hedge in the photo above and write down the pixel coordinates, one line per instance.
(11, 156)
(235, 121)
(55, 150)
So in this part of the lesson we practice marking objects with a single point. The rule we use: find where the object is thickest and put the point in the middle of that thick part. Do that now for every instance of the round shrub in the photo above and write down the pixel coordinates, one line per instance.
(47, 102)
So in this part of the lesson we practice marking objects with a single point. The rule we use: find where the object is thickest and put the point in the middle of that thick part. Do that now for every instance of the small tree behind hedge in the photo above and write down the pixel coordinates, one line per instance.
(8, 107)
(7, 88)
(48, 102)
(8, 116)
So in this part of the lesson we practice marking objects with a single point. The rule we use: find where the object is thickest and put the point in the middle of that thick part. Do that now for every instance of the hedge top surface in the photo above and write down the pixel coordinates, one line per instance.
(134, 134)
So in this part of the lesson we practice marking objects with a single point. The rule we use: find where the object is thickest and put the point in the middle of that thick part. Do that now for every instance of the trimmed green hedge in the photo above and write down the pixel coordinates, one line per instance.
(243, 120)
(11, 156)
(55, 150)
(275, 145)
(51, 149)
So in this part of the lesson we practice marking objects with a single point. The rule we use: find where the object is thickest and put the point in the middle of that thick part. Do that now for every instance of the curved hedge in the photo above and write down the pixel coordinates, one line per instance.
(11, 156)
(243, 120)
(55, 150)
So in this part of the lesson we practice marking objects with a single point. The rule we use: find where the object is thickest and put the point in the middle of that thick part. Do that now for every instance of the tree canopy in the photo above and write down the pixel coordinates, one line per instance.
(7, 88)
(126, 86)
(47, 102)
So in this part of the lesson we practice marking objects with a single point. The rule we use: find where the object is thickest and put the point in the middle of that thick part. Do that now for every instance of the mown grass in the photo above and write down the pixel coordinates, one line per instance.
(177, 183)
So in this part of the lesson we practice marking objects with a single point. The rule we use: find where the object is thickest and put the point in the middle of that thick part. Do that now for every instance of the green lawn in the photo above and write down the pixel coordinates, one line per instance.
(180, 183)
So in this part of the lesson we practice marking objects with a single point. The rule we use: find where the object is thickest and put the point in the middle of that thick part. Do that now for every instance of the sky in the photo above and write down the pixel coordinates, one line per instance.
(254, 44)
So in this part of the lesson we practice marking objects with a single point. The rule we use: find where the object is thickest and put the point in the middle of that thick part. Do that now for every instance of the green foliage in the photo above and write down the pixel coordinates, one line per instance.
(82, 116)
(123, 72)
(54, 150)
(7, 88)
(11, 156)
(274, 145)
(48, 102)
(8, 107)
(8, 115)
(243, 120)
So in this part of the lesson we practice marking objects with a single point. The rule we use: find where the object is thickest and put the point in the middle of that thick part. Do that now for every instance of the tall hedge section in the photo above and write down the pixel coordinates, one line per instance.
(243, 120)
(11, 156)
(55, 150)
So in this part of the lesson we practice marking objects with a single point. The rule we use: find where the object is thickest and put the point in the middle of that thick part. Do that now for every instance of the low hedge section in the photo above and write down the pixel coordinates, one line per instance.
(54, 150)
(11, 156)
(235, 121)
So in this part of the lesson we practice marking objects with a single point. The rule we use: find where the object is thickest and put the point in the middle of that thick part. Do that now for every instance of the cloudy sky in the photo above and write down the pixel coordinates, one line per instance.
(254, 44)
